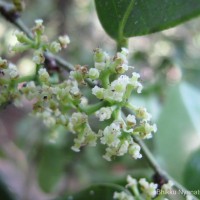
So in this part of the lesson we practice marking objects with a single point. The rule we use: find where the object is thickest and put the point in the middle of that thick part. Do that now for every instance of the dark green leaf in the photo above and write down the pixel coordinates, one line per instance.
(96, 192)
(192, 172)
(127, 18)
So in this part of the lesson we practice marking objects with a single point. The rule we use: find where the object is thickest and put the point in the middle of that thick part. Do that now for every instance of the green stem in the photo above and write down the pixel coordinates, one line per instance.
(90, 109)
(122, 43)
(25, 79)
(105, 78)
(154, 165)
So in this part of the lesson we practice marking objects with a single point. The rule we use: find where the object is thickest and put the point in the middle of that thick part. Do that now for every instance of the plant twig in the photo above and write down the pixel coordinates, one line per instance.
(69, 67)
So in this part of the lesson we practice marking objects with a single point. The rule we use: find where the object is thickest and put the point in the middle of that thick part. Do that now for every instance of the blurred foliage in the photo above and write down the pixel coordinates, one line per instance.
(192, 172)
(169, 67)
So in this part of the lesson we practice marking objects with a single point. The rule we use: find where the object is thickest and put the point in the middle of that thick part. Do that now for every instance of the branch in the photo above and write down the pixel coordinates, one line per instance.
(7, 8)
(157, 169)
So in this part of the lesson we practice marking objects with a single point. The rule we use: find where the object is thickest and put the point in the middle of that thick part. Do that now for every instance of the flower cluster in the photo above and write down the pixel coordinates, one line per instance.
(63, 103)
(142, 189)
(39, 42)
(8, 76)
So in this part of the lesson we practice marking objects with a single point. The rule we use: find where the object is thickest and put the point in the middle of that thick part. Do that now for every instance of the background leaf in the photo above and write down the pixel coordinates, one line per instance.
(51, 167)
(127, 18)
(96, 192)
(177, 133)
(192, 172)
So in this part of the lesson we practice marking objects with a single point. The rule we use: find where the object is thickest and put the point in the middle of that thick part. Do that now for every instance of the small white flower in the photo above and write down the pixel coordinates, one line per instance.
(139, 88)
(148, 129)
(111, 134)
(38, 57)
(39, 22)
(55, 47)
(100, 65)
(134, 151)
(98, 92)
(125, 51)
(64, 41)
(93, 73)
(131, 181)
(167, 186)
(123, 148)
(131, 120)
(13, 72)
(142, 113)
(122, 196)
(43, 75)
(104, 113)
(78, 119)
(148, 188)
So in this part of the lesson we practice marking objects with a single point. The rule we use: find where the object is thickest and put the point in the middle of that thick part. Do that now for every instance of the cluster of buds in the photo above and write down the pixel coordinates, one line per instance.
(142, 189)
(54, 102)
(8, 76)
(39, 42)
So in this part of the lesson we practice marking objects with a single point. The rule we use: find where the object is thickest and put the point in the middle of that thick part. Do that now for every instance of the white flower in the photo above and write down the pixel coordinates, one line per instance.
(125, 51)
(55, 47)
(148, 129)
(111, 135)
(110, 151)
(167, 186)
(100, 65)
(148, 188)
(122, 196)
(134, 151)
(139, 87)
(121, 68)
(77, 119)
(123, 148)
(104, 113)
(130, 120)
(13, 72)
(38, 57)
(3, 63)
(90, 136)
(38, 22)
(93, 73)
(143, 114)
(131, 181)
(98, 92)
(43, 75)
(64, 41)
(120, 84)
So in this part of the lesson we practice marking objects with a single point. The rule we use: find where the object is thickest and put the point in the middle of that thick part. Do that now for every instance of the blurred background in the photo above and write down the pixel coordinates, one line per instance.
(38, 163)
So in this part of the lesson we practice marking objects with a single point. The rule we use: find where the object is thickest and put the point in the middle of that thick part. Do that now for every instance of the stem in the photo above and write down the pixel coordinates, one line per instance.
(90, 109)
(122, 42)
(154, 165)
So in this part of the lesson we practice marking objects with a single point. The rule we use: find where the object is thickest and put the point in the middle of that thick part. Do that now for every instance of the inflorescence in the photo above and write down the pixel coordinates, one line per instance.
(63, 103)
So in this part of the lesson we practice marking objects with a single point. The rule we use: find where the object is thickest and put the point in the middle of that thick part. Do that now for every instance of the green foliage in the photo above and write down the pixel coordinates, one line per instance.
(51, 166)
(128, 18)
(177, 128)
(96, 192)
(192, 172)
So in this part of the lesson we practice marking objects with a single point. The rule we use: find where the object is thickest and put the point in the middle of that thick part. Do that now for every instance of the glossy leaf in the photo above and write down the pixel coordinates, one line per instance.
(95, 192)
(127, 18)
(192, 172)
(178, 128)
